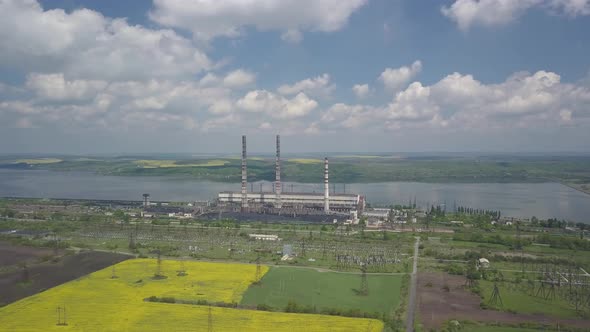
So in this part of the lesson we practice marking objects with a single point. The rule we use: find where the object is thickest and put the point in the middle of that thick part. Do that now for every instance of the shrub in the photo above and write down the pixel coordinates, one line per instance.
(263, 307)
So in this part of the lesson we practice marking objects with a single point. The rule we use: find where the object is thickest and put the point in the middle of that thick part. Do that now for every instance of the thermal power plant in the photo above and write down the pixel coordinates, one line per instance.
(244, 197)
(278, 188)
(278, 201)
(326, 188)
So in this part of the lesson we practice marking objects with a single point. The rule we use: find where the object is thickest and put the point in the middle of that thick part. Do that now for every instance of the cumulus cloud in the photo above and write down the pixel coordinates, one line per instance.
(345, 116)
(319, 86)
(55, 87)
(394, 79)
(228, 18)
(239, 78)
(361, 90)
(262, 101)
(466, 13)
(293, 36)
(85, 44)
(461, 102)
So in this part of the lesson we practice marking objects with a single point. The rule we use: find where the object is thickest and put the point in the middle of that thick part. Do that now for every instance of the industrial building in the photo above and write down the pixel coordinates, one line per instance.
(337, 202)
(280, 202)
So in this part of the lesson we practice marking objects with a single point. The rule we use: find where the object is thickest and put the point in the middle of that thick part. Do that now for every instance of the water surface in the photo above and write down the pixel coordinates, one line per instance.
(543, 200)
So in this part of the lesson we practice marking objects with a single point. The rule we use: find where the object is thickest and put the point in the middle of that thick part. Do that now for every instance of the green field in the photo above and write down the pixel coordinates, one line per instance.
(520, 301)
(571, 170)
(324, 290)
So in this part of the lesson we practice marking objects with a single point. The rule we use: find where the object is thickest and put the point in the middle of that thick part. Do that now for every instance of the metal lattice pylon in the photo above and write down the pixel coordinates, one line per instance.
(364, 284)
(258, 271)
(182, 271)
(61, 316)
(210, 320)
(496, 298)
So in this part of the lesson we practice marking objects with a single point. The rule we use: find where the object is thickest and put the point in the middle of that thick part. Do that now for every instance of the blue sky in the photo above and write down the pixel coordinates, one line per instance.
(329, 75)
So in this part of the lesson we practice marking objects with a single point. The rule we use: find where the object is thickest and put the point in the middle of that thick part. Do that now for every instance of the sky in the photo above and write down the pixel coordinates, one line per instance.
(110, 76)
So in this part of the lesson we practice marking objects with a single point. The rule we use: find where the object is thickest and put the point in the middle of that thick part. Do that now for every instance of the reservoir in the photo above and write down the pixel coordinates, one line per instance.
(543, 200)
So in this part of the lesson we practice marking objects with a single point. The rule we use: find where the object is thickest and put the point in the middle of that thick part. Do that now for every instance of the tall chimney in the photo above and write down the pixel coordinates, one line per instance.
(326, 188)
(244, 177)
(278, 202)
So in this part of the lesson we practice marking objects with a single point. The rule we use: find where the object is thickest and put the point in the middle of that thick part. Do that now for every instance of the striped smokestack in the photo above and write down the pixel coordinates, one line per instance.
(244, 177)
(278, 203)
(326, 188)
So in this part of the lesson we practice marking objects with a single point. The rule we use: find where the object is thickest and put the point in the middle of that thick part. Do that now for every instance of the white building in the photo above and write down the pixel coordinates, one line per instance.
(264, 237)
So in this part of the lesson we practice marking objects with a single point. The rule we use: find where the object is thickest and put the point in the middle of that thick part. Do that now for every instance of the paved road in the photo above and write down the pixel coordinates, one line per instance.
(413, 283)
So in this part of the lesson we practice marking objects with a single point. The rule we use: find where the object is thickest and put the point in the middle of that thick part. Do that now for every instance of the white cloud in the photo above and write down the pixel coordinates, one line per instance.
(239, 78)
(230, 120)
(396, 78)
(292, 36)
(565, 115)
(361, 90)
(24, 123)
(208, 19)
(265, 126)
(349, 116)
(85, 44)
(467, 13)
(460, 102)
(221, 107)
(412, 104)
(319, 86)
(55, 87)
(262, 101)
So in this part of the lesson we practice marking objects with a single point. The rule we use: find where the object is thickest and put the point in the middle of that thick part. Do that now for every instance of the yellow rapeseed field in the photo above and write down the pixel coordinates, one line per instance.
(172, 163)
(98, 302)
(305, 161)
(38, 161)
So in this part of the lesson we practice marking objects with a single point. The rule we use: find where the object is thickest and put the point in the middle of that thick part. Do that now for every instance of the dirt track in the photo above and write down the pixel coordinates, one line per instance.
(47, 274)
(436, 305)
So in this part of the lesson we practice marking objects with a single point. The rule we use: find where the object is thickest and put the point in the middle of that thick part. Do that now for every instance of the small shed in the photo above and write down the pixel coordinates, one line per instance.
(483, 263)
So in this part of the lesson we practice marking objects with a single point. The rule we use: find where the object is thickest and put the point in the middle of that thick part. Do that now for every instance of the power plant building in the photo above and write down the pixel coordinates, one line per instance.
(325, 202)
(338, 202)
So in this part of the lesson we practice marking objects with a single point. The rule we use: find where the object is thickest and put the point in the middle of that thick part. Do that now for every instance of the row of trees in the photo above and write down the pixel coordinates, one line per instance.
(471, 211)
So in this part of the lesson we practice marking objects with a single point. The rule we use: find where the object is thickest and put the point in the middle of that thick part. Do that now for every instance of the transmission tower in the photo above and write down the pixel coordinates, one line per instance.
(496, 298)
(61, 316)
(258, 271)
(182, 271)
(25, 274)
(158, 274)
(303, 247)
(520, 246)
(541, 289)
(551, 292)
(131, 241)
(210, 320)
(56, 248)
(159, 265)
(364, 284)
(113, 273)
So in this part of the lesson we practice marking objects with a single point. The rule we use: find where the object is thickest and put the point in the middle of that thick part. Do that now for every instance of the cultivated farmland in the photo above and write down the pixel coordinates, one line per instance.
(325, 290)
(113, 299)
